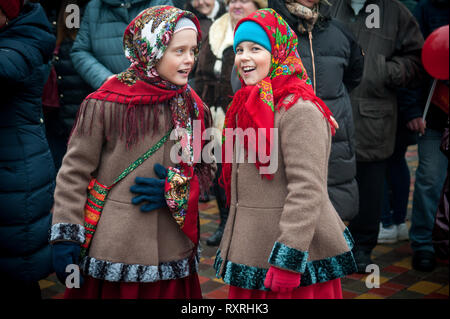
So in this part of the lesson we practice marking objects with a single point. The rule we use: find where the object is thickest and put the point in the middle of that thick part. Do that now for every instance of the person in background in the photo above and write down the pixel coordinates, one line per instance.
(392, 44)
(283, 238)
(97, 53)
(207, 11)
(393, 226)
(212, 81)
(440, 234)
(71, 88)
(334, 62)
(27, 172)
(430, 173)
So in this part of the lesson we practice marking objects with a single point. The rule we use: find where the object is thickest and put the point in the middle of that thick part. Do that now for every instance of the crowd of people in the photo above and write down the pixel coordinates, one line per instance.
(91, 115)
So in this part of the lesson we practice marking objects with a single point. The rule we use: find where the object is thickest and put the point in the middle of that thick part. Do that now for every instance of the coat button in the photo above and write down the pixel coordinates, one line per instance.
(41, 120)
(59, 77)
(61, 95)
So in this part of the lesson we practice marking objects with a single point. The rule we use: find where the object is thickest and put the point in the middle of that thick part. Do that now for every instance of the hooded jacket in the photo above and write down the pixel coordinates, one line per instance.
(97, 53)
(26, 166)
(334, 62)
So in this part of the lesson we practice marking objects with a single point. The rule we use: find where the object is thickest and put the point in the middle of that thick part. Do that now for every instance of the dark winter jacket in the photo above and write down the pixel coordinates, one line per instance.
(335, 63)
(26, 166)
(392, 60)
(72, 89)
(432, 14)
(180, 3)
(214, 86)
(98, 50)
(408, 106)
(205, 24)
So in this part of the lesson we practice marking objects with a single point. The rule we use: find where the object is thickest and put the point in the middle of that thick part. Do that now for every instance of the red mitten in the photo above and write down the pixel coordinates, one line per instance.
(280, 280)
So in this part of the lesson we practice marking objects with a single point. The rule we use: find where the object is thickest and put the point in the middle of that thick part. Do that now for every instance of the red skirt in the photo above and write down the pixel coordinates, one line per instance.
(183, 288)
(328, 290)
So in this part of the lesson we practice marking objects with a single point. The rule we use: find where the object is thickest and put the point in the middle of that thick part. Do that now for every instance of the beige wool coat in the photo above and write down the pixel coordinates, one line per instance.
(129, 245)
(288, 222)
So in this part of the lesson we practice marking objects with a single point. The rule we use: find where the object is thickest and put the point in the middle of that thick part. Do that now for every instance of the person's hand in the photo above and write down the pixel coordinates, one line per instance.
(280, 280)
(65, 253)
(417, 125)
(150, 190)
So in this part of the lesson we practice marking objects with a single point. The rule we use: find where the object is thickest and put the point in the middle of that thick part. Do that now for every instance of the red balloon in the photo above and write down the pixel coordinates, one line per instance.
(435, 53)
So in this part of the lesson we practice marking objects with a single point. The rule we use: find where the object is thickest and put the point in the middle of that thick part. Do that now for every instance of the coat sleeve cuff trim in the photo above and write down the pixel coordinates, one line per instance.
(67, 232)
(288, 258)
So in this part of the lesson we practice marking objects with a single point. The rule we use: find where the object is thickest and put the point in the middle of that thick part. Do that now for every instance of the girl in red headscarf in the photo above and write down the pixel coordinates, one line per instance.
(123, 140)
(283, 238)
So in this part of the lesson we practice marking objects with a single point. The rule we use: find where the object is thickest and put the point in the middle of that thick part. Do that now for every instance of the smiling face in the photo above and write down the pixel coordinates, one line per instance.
(252, 61)
(203, 6)
(240, 9)
(179, 57)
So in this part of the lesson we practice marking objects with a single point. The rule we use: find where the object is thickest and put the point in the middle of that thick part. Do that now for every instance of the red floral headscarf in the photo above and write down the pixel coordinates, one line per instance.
(255, 106)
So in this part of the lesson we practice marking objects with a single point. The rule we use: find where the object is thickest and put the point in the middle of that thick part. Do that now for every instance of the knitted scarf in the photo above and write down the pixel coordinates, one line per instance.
(139, 93)
(255, 106)
(308, 17)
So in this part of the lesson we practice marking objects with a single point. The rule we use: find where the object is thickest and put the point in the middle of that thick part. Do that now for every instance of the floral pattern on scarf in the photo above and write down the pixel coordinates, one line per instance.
(145, 41)
(147, 37)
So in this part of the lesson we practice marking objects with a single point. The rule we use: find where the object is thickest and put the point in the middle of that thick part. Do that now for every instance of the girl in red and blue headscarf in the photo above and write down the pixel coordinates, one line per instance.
(283, 238)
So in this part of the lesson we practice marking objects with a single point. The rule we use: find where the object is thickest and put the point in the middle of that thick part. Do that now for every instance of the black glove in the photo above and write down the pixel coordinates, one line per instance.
(64, 254)
(150, 190)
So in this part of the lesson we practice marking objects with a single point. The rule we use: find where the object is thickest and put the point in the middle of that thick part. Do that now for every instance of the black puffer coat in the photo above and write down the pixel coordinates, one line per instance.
(72, 89)
(27, 174)
(335, 64)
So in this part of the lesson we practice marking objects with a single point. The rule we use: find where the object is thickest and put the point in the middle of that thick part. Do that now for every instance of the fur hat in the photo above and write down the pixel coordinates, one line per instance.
(260, 3)
(11, 8)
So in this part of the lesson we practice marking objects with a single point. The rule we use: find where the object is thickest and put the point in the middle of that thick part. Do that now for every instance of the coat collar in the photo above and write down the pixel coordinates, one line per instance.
(221, 35)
